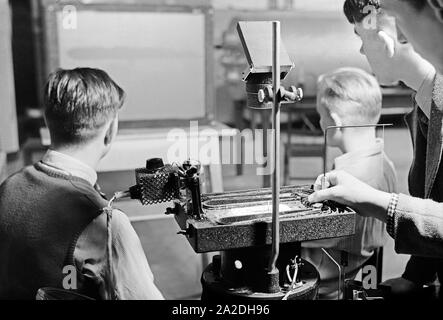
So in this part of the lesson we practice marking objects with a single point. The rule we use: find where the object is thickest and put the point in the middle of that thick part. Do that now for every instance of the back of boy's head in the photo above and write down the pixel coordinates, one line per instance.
(351, 93)
(355, 9)
(79, 103)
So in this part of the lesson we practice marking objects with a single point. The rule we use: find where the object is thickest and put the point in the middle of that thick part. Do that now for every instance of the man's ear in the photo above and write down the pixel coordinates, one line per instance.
(389, 43)
(111, 132)
(336, 118)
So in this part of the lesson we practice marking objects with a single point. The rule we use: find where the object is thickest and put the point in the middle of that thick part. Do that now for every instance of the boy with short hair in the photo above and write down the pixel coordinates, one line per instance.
(51, 213)
(350, 96)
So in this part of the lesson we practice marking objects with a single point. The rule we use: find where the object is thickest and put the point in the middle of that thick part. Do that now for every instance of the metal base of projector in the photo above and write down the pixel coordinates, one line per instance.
(241, 275)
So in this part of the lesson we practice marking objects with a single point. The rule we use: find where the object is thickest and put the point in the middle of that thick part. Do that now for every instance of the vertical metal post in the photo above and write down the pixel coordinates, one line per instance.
(275, 182)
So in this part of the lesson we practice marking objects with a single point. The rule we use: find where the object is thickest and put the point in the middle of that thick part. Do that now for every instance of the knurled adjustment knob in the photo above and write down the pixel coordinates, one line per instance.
(297, 91)
(265, 95)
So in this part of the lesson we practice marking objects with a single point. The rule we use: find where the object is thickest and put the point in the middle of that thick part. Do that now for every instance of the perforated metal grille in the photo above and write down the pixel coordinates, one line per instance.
(157, 187)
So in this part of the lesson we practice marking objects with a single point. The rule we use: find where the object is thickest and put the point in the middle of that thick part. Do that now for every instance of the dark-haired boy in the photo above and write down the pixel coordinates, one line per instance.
(51, 219)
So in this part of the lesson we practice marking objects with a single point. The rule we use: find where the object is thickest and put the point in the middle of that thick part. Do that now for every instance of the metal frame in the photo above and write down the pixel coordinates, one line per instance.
(50, 57)
(275, 178)
(286, 65)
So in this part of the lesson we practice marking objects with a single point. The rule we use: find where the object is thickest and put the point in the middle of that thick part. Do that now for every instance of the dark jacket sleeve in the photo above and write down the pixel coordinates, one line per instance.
(418, 225)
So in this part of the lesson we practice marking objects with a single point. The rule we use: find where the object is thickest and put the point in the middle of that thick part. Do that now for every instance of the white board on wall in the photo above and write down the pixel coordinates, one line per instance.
(158, 58)
(8, 116)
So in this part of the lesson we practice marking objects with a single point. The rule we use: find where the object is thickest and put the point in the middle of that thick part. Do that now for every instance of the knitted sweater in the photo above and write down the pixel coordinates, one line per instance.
(41, 217)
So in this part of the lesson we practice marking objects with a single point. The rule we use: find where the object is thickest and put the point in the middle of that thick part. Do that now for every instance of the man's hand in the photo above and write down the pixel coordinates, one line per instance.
(349, 191)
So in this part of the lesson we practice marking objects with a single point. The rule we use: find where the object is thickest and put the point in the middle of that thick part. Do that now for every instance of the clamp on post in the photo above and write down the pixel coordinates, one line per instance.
(292, 94)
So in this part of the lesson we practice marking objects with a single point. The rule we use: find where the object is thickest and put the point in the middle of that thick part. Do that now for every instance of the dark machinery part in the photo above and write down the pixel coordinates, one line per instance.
(156, 183)
(242, 219)
(238, 224)
(241, 275)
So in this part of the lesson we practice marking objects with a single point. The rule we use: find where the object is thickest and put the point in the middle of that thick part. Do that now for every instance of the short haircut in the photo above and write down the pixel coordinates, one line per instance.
(79, 102)
(354, 9)
(351, 93)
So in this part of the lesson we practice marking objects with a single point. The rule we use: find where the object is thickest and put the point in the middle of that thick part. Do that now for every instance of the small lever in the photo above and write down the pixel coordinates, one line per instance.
(293, 94)
(183, 232)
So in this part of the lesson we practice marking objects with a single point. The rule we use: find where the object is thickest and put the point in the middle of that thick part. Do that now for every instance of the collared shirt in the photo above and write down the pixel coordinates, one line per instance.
(133, 278)
(424, 93)
(71, 165)
(370, 165)
(354, 158)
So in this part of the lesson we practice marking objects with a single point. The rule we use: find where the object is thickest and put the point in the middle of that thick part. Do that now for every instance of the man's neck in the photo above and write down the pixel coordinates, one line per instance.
(88, 154)
(357, 138)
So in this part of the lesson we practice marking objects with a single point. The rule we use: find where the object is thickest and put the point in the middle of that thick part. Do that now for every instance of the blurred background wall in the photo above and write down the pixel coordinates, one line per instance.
(308, 42)
(316, 35)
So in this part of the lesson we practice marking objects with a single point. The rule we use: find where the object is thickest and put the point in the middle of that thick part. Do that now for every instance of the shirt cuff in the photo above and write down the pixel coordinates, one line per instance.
(424, 93)
(391, 220)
